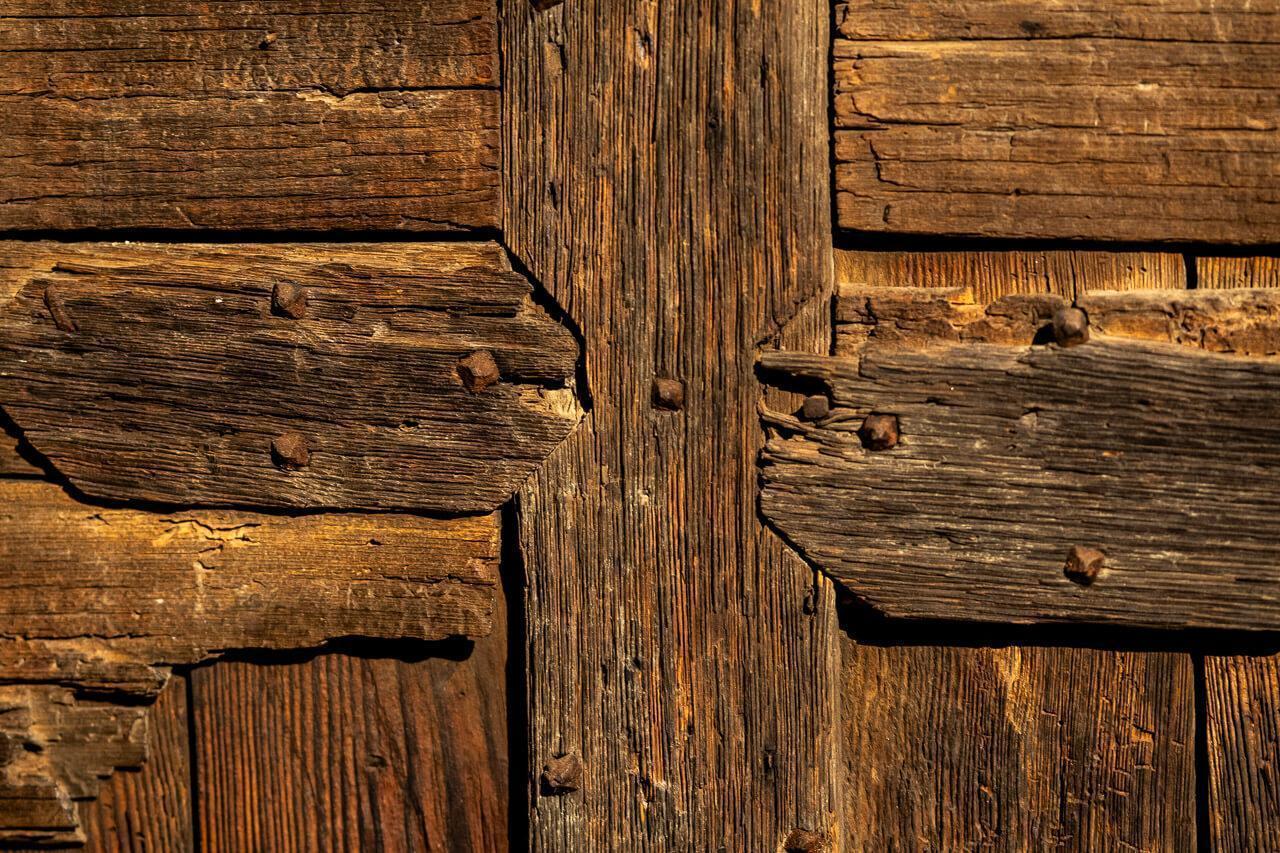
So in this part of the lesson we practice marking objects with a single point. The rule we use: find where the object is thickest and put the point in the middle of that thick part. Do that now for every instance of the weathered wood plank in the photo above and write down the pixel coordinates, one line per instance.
(667, 181)
(355, 753)
(149, 808)
(1018, 749)
(194, 373)
(184, 584)
(991, 275)
(1217, 273)
(1242, 723)
(1010, 456)
(274, 116)
(1122, 121)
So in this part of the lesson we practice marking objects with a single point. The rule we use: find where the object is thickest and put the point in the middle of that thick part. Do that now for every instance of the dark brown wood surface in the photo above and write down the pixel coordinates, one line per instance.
(357, 753)
(1059, 119)
(667, 174)
(1018, 749)
(323, 115)
(192, 374)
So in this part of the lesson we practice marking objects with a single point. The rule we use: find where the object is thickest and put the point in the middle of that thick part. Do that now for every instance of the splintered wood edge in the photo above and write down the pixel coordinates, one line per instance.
(874, 324)
(84, 653)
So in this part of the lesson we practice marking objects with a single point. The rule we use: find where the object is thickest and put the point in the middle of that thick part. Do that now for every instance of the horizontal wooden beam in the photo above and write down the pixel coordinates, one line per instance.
(274, 116)
(285, 375)
(1058, 119)
(1159, 456)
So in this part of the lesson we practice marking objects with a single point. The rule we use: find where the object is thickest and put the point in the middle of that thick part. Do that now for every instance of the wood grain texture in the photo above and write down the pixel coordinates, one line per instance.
(191, 374)
(1243, 732)
(1010, 456)
(354, 753)
(667, 182)
(148, 809)
(993, 274)
(1018, 749)
(1058, 119)
(1218, 273)
(316, 115)
(178, 586)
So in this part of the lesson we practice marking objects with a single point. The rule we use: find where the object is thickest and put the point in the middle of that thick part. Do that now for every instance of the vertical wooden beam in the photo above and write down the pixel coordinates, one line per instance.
(667, 181)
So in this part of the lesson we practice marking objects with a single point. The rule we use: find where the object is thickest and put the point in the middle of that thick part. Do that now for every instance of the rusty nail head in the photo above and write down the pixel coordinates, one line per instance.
(1083, 564)
(562, 774)
(1070, 326)
(879, 432)
(268, 40)
(804, 841)
(544, 5)
(668, 394)
(290, 451)
(816, 408)
(288, 299)
(58, 309)
(478, 371)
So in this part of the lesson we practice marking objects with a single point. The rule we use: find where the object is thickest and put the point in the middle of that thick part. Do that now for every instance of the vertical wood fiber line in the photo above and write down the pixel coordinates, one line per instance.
(667, 169)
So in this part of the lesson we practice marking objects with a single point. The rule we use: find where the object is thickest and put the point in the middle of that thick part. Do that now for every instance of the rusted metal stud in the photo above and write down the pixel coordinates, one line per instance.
(544, 5)
(1070, 327)
(815, 408)
(668, 394)
(562, 774)
(290, 451)
(879, 432)
(58, 309)
(1083, 564)
(478, 371)
(804, 841)
(288, 299)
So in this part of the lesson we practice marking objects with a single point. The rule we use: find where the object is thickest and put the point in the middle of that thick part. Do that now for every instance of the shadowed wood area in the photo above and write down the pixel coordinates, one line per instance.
(293, 115)
(667, 183)
(1060, 119)
(1018, 749)
(354, 753)
(284, 375)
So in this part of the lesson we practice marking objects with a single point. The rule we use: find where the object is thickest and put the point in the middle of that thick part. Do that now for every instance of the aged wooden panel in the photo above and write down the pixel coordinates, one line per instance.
(993, 274)
(667, 182)
(149, 808)
(185, 584)
(1243, 732)
(196, 373)
(1117, 121)
(353, 753)
(1238, 272)
(1012, 456)
(316, 115)
(1018, 749)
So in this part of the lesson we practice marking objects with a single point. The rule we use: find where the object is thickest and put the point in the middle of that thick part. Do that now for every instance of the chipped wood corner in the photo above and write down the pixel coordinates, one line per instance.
(348, 384)
(1137, 422)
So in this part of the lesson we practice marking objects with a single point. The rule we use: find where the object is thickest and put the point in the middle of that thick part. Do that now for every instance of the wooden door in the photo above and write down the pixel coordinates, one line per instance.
(627, 425)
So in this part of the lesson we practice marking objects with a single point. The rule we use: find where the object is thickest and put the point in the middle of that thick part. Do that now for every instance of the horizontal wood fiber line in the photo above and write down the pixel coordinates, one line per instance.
(1017, 748)
(1010, 456)
(169, 372)
(1058, 119)
(176, 587)
(345, 753)
(273, 116)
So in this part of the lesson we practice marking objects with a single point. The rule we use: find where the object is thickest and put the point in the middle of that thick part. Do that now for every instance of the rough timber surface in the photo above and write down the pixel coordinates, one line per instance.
(341, 752)
(667, 182)
(163, 373)
(291, 115)
(1059, 119)
(1018, 749)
